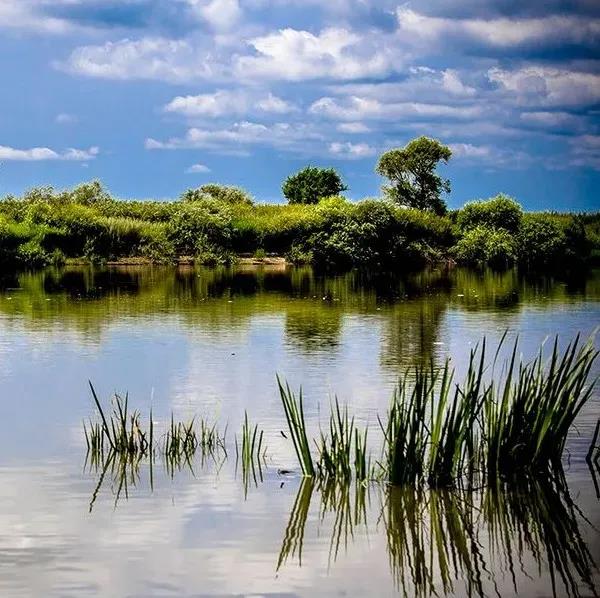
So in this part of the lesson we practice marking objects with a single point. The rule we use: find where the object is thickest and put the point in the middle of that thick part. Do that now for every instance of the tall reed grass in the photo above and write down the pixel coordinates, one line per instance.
(441, 432)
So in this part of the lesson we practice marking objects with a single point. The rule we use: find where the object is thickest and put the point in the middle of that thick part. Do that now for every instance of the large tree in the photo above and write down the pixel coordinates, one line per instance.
(311, 184)
(412, 174)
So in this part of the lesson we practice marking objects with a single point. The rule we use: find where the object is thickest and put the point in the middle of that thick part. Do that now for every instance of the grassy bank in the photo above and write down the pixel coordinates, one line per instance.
(44, 227)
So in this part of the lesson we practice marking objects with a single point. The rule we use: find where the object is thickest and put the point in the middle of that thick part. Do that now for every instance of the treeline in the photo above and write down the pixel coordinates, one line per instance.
(214, 224)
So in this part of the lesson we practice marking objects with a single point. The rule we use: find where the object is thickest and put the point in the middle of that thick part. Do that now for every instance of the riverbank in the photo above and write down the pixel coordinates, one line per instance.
(87, 225)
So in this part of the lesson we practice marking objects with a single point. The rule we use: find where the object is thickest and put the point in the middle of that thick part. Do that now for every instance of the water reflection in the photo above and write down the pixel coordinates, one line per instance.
(453, 542)
(480, 542)
(315, 307)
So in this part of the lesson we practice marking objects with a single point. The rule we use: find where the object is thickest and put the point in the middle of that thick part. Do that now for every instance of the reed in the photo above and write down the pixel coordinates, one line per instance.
(294, 413)
(252, 450)
(529, 415)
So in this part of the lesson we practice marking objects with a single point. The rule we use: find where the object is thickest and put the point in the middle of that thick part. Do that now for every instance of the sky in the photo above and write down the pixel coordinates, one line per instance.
(155, 96)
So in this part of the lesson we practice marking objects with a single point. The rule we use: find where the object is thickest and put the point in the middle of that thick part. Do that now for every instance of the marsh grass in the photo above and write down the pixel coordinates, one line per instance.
(441, 433)
(438, 432)
(120, 436)
(294, 412)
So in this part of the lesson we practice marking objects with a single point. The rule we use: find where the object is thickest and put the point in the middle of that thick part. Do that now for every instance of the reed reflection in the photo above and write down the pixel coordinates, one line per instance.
(456, 542)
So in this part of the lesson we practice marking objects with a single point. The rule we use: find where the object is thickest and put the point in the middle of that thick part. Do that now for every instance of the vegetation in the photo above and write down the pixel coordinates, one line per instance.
(311, 184)
(442, 434)
(214, 224)
(412, 174)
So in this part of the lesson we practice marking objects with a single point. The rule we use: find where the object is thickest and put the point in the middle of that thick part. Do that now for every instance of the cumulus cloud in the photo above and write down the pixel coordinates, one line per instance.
(499, 32)
(222, 15)
(198, 169)
(223, 102)
(355, 128)
(548, 86)
(351, 151)
(356, 108)
(279, 135)
(36, 154)
(336, 53)
(146, 58)
(490, 156)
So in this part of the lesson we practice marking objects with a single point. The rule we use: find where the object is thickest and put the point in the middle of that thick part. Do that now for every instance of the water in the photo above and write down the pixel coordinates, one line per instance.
(210, 342)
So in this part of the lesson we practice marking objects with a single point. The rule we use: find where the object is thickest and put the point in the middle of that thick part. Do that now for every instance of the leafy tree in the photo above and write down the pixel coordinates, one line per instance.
(311, 184)
(411, 171)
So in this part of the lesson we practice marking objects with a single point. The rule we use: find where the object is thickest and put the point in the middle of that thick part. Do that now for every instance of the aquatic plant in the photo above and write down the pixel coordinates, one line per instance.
(294, 413)
(441, 433)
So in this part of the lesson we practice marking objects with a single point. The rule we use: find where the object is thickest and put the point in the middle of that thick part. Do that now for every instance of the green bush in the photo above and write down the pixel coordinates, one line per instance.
(311, 184)
(224, 193)
(501, 212)
(201, 228)
(541, 241)
(484, 246)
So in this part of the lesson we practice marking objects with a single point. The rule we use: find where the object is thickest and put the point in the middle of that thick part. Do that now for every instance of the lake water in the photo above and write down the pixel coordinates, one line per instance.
(210, 342)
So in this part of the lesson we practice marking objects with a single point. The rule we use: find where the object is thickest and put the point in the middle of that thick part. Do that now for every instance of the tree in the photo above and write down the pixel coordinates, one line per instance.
(311, 184)
(411, 171)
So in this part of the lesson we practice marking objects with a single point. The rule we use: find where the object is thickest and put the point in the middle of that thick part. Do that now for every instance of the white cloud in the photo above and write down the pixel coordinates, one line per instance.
(491, 156)
(499, 32)
(452, 83)
(548, 86)
(351, 151)
(25, 14)
(356, 108)
(553, 120)
(146, 58)
(65, 119)
(36, 154)
(224, 102)
(355, 128)
(285, 136)
(198, 169)
(585, 150)
(294, 55)
(222, 15)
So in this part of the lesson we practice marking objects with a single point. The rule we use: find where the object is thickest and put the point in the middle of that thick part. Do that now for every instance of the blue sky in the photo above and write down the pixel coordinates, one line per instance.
(155, 96)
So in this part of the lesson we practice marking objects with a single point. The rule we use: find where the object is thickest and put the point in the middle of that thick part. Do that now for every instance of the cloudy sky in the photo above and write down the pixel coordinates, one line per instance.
(154, 96)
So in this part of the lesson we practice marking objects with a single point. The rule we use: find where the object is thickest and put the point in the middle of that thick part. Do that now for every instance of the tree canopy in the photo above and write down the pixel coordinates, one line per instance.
(412, 174)
(311, 184)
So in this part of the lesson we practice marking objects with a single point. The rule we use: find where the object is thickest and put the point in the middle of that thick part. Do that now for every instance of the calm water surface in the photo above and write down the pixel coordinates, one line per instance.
(210, 342)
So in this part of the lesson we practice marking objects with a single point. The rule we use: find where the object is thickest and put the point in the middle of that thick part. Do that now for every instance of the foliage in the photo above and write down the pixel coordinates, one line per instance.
(500, 212)
(541, 241)
(412, 174)
(224, 193)
(481, 246)
(44, 226)
(311, 184)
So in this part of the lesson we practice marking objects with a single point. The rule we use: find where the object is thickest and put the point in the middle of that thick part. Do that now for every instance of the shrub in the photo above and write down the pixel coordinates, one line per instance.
(87, 194)
(311, 184)
(541, 242)
(483, 246)
(500, 212)
(32, 254)
(224, 193)
(201, 227)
